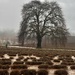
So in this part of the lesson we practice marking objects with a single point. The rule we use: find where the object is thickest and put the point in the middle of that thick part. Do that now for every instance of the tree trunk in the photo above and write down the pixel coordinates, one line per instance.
(22, 42)
(39, 41)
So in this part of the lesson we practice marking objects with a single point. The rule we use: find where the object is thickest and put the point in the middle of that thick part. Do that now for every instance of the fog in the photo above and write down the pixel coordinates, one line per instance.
(10, 14)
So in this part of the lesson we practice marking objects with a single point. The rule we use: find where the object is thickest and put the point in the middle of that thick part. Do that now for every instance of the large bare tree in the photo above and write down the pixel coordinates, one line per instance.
(40, 19)
(59, 36)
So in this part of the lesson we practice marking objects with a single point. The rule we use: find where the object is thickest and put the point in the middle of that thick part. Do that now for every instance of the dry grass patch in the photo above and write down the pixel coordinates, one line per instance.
(42, 72)
(19, 67)
(60, 72)
(15, 72)
(28, 72)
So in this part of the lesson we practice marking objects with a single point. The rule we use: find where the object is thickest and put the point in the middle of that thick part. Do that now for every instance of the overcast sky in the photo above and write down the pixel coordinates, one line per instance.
(10, 13)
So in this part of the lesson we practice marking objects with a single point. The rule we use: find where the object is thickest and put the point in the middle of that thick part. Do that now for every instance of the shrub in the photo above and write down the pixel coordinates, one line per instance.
(68, 63)
(72, 67)
(49, 63)
(42, 72)
(19, 67)
(20, 57)
(6, 62)
(60, 72)
(0, 66)
(45, 58)
(33, 58)
(43, 66)
(34, 63)
(68, 60)
(28, 72)
(58, 67)
(5, 67)
(1, 61)
(18, 62)
(4, 72)
(11, 57)
(12, 54)
(25, 59)
(56, 60)
(60, 58)
(15, 72)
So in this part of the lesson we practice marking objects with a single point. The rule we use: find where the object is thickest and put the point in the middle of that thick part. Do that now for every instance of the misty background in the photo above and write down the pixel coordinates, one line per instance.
(10, 16)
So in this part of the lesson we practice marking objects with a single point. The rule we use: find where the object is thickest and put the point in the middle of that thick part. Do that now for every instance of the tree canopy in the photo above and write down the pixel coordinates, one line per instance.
(40, 19)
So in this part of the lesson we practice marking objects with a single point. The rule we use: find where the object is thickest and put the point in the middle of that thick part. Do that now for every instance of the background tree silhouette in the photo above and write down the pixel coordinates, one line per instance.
(40, 19)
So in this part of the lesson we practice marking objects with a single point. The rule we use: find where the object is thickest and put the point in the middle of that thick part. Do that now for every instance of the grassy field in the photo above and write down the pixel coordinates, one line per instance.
(42, 52)
(37, 61)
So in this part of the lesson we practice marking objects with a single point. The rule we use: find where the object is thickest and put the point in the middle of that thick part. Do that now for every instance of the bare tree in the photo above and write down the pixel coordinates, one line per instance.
(59, 36)
(40, 18)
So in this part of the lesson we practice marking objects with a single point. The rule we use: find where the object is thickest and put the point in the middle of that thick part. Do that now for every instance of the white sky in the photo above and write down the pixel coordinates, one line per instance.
(10, 13)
